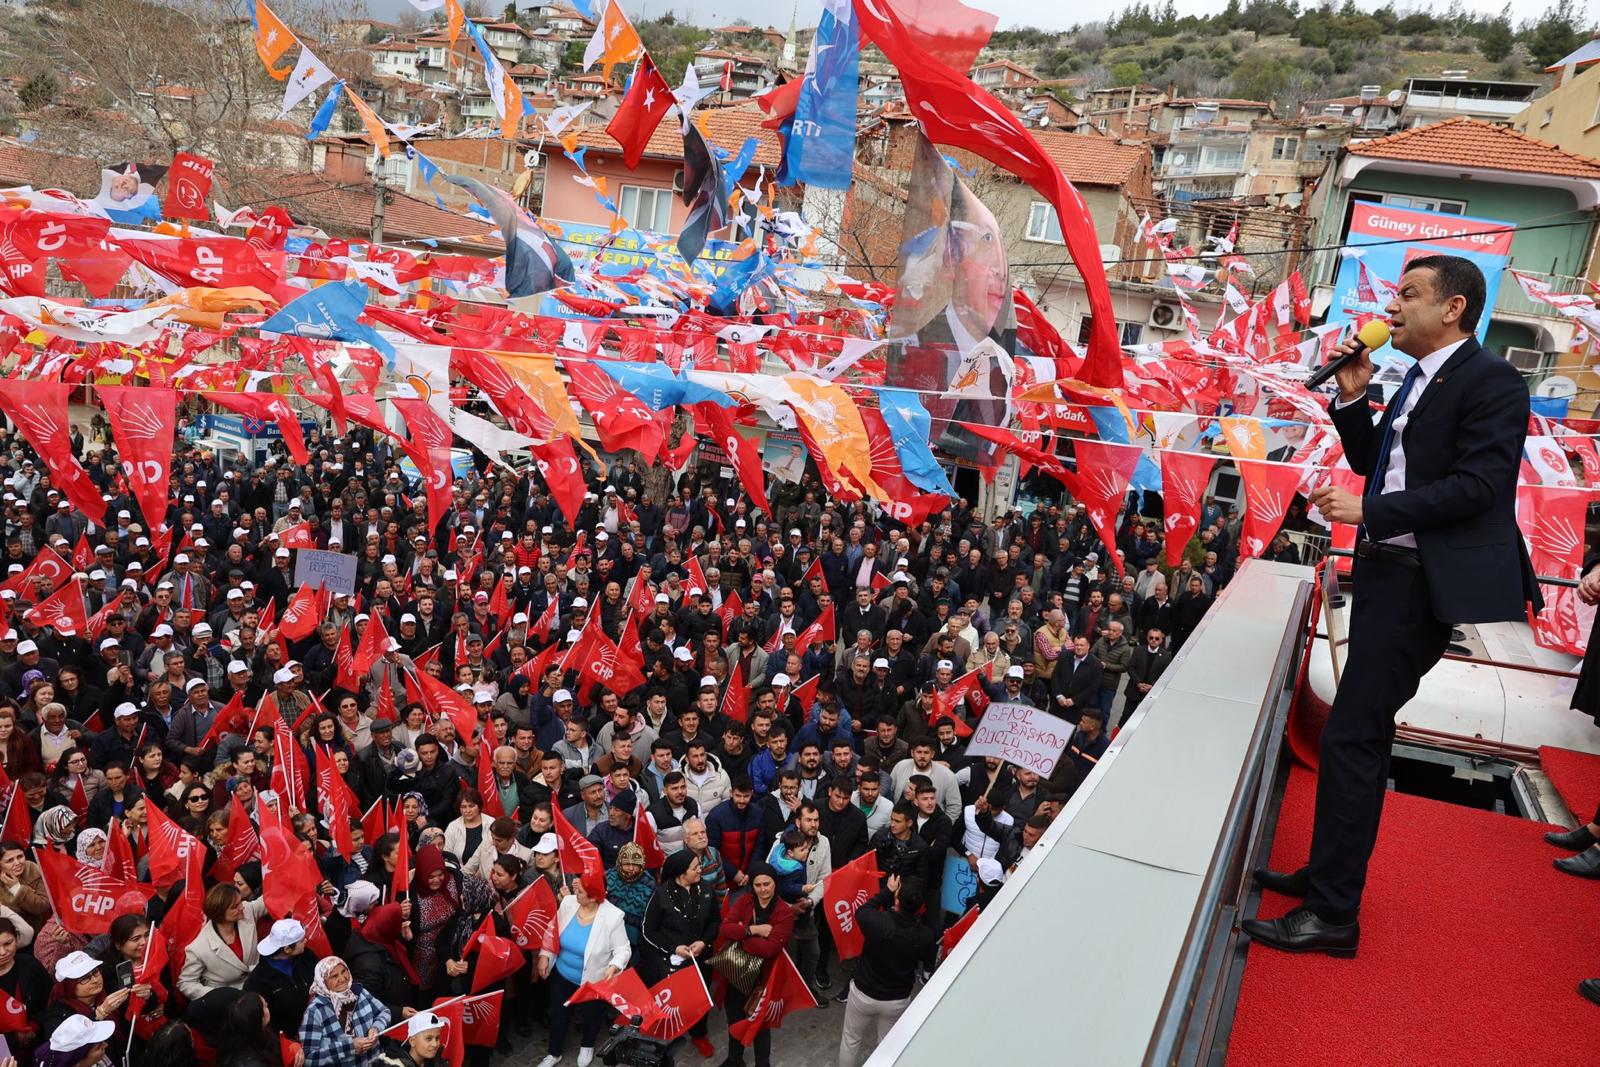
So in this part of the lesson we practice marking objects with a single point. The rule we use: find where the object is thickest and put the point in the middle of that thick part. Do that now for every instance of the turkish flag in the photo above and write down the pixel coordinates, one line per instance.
(143, 424)
(232, 719)
(1268, 489)
(65, 610)
(375, 821)
(289, 874)
(242, 846)
(400, 883)
(736, 697)
(822, 629)
(805, 694)
(644, 835)
(79, 801)
(303, 614)
(429, 448)
(697, 574)
(645, 104)
(1184, 477)
(170, 847)
(86, 898)
(13, 1015)
(558, 465)
(497, 956)
(677, 1002)
(843, 892)
(625, 992)
(39, 410)
(781, 995)
(622, 419)
(151, 965)
(18, 825)
(578, 853)
(480, 1019)
(47, 565)
(530, 914)
(442, 700)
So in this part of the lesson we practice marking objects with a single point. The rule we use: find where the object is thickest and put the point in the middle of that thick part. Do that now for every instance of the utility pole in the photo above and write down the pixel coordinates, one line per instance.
(380, 185)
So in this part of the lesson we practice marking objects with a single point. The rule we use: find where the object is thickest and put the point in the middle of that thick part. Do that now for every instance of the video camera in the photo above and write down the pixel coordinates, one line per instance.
(628, 1046)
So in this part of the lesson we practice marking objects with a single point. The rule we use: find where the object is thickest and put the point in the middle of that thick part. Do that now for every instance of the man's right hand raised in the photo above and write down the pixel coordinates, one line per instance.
(1353, 376)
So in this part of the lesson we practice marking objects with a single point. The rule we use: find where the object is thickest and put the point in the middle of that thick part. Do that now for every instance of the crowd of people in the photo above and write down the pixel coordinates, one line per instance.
(764, 752)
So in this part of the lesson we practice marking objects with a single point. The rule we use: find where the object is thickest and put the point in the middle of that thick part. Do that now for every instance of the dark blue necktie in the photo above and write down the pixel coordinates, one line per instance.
(1380, 468)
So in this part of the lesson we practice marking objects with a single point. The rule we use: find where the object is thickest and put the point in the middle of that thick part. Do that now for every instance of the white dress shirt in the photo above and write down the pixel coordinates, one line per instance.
(1394, 476)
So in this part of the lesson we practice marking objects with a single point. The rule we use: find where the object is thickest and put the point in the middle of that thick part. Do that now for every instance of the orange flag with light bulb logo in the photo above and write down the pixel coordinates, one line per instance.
(273, 39)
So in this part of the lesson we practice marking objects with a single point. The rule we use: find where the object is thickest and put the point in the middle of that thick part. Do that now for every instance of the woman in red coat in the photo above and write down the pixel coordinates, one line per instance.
(762, 923)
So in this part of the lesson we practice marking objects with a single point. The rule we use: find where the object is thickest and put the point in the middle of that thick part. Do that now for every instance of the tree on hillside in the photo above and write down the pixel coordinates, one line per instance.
(1260, 77)
(1126, 73)
(38, 91)
(1555, 35)
(1497, 40)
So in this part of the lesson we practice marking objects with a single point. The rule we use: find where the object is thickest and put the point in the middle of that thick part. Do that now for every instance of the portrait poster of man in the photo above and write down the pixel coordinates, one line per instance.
(128, 192)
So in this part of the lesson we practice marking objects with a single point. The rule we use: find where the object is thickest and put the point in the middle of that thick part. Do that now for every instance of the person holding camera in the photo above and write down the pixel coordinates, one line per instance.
(896, 943)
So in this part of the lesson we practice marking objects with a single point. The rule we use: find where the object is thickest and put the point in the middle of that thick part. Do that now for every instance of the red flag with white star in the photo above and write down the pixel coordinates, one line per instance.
(647, 102)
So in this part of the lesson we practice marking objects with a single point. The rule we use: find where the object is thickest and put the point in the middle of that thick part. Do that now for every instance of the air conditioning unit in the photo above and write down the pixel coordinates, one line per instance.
(1164, 316)
(1526, 360)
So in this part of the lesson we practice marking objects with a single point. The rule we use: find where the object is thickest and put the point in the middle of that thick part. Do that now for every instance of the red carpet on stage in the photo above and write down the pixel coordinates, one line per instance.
(1472, 947)
(1576, 776)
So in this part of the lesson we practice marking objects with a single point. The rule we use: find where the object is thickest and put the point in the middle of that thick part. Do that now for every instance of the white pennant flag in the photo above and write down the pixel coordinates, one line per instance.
(560, 118)
(310, 74)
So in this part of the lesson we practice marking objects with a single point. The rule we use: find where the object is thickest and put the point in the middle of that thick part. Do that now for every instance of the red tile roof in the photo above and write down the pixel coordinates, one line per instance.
(1474, 145)
(729, 127)
(1090, 160)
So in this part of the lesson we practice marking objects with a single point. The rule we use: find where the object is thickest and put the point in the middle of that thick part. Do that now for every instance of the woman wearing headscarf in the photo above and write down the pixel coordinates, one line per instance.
(91, 848)
(79, 1041)
(629, 886)
(448, 906)
(414, 809)
(588, 942)
(80, 989)
(379, 960)
(56, 827)
(762, 924)
(359, 898)
(342, 1021)
(681, 922)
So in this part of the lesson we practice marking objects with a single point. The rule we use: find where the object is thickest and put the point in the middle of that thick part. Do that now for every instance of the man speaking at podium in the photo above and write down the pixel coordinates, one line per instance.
(1436, 544)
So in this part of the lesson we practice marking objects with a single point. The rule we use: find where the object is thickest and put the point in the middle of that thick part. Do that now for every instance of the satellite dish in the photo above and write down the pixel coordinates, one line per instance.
(1394, 96)
(1044, 120)
(1557, 387)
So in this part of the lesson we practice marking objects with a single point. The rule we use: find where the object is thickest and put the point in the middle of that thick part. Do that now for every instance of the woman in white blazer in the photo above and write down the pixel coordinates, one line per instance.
(587, 943)
(224, 952)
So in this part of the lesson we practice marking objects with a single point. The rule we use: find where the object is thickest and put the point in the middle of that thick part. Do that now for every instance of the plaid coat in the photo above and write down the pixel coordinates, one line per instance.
(327, 1044)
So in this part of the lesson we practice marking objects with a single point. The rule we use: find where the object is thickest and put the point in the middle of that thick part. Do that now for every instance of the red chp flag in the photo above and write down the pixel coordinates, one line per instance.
(625, 992)
(646, 103)
(304, 612)
(577, 852)
(781, 995)
(488, 783)
(1184, 477)
(497, 956)
(677, 1002)
(480, 1019)
(531, 913)
(86, 898)
(170, 847)
(845, 890)
(143, 424)
(1268, 489)
(595, 657)
(820, 630)
(188, 185)
(65, 610)
(429, 448)
(39, 410)
(289, 874)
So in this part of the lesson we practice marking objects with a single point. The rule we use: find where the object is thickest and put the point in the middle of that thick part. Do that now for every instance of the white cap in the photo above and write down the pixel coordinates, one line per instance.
(27, 646)
(519, 618)
(236, 594)
(124, 514)
(794, 533)
(285, 932)
(7, 594)
(483, 696)
(201, 627)
(683, 654)
(738, 522)
(392, 646)
(189, 686)
(780, 680)
(450, 574)
(135, 565)
(547, 529)
(240, 531)
(125, 711)
(547, 844)
(238, 666)
(469, 529)
(602, 536)
(388, 559)
(162, 630)
(129, 583)
(574, 635)
(282, 553)
(80, 1031)
(408, 617)
(97, 575)
(181, 557)
(422, 1022)
(105, 643)
(579, 602)
(294, 502)
(990, 872)
(1014, 671)
(75, 965)
(63, 505)
(143, 542)
(560, 695)
(944, 665)
(524, 570)
(880, 662)
(283, 676)
(708, 682)
(362, 615)
(662, 598)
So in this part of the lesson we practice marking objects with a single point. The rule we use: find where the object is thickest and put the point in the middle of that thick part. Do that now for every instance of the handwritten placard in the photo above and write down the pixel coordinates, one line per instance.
(336, 570)
(1022, 735)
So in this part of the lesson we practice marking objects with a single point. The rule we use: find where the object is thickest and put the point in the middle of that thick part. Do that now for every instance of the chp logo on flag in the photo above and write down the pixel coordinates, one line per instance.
(188, 185)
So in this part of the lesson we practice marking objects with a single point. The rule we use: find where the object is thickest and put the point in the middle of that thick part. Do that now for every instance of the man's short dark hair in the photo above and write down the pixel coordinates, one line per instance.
(742, 783)
(1456, 276)
(842, 785)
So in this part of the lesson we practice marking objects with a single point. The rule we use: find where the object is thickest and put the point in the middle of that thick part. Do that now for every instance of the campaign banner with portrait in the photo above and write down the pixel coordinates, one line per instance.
(1397, 236)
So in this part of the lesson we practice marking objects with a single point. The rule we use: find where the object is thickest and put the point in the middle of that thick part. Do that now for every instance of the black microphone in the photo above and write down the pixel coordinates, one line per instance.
(1375, 334)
